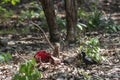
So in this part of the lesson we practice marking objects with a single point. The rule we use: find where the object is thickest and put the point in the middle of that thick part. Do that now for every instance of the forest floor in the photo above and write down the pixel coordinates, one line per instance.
(26, 45)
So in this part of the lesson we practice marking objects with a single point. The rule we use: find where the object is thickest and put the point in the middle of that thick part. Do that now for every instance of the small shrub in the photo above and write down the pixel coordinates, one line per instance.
(5, 57)
(93, 20)
(112, 28)
(82, 16)
(92, 49)
(61, 22)
(13, 2)
(96, 20)
(28, 71)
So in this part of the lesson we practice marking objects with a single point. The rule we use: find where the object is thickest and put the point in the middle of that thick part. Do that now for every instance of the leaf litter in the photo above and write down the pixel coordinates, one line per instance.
(74, 69)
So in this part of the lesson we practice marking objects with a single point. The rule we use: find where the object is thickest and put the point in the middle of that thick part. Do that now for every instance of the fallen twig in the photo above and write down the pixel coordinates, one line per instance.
(36, 25)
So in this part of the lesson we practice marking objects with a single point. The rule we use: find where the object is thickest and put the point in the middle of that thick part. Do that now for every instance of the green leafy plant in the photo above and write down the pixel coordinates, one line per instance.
(5, 57)
(86, 75)
(13, 2)
(2, 9)
(81, 15)
(92, 49)
(91, 19)
(35, 11)
(28, 71)
(61, 22)
(94, 20)
(112, 27)
(5, 14)
(81, 26)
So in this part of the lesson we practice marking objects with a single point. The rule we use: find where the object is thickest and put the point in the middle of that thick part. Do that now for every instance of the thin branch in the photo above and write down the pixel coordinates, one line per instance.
(36, 25)
(20, 56)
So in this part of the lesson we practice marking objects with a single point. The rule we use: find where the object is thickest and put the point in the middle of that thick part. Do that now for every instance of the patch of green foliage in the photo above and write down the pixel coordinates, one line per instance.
(28, 71)
(36, 13)
(91, 48)
(111, 26)
(8, 31)
(81, 16)
(13, 2)
(81, 26)
(61, 22)
(88, 76)
(81, 13)
(4, 13)
(24, 29)
(96, 20)
(5, 57)
(15, 30)
(2, 9)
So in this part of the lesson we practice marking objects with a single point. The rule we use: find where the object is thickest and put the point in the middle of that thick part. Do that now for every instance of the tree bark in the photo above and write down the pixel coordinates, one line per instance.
(71, 19)
(48, 8)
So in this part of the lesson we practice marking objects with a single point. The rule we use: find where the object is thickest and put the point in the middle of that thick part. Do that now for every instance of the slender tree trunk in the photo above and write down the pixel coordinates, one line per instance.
(48, 8)
(71, 19)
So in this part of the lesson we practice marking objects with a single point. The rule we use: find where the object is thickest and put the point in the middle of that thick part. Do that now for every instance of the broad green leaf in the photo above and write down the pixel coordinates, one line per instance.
(80, 26)
(27, 78)
(118, 27)
(9, 55)
(81, 47)
(30, 73)
(2, 59)
(17, 77)
(5, 57)
(33, 61)
(13, 2)
(22, 68)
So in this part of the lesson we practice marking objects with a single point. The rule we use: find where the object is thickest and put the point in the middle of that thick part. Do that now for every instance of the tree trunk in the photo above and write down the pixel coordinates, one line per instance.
(48, 8)
(71, 20)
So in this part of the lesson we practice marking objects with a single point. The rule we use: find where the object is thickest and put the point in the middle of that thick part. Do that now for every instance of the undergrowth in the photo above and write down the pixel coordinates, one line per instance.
(28, 71)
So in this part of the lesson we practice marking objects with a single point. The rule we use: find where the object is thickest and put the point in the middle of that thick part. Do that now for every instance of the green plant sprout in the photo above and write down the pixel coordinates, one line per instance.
(5, 57)
(92, 49)
(28, 71)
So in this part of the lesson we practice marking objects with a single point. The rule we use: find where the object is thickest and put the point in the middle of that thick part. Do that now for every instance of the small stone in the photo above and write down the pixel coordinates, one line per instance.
(11, 43)
(69, 60)
(3, 42)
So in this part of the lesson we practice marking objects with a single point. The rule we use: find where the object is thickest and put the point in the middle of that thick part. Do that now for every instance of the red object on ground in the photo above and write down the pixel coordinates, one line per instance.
(43, 56)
